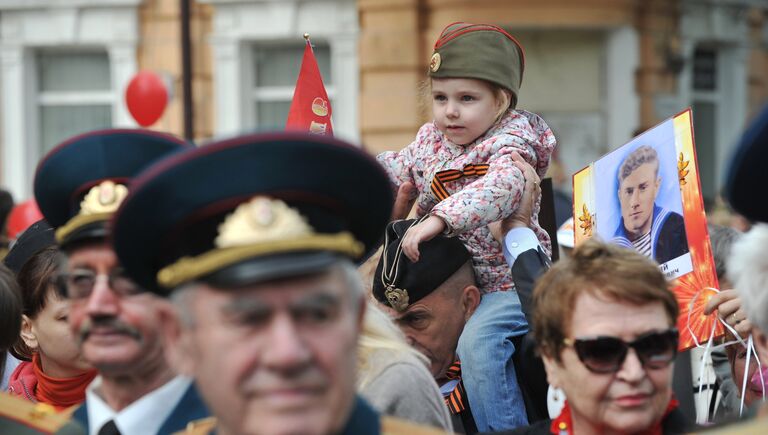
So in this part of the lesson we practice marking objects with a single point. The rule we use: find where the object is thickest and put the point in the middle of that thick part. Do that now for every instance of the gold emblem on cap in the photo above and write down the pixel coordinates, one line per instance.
(261, 226)
(262, 219)
(103, 198)
(98, 205)
(434, 63)
(397, 297)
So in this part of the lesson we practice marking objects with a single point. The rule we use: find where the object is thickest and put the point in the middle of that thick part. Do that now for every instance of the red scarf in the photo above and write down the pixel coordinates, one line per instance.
(60, 392)
(562, 425)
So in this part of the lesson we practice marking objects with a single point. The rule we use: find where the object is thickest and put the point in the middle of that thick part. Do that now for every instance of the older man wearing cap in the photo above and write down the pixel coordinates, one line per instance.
(432, 300)
(78, 187)
(255, 238)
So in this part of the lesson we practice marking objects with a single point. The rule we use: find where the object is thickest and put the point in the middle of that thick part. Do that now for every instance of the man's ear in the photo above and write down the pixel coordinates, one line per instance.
(470, 299)
(178, 341)
(28, 333)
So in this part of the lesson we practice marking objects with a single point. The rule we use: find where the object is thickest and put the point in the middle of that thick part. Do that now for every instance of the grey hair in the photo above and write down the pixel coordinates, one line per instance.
(722, 239)
(748, 270)
(635, 159)
(182, 295)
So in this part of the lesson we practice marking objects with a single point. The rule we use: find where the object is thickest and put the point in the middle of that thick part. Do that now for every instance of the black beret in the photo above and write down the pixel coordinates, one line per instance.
(251, 208)
(72, 170)
(34, 239)
(746, 176)
(398, 282)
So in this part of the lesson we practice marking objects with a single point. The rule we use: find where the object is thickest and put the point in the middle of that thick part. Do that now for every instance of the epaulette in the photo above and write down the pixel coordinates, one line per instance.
(19, 416)
(396, 426)
(203, 426)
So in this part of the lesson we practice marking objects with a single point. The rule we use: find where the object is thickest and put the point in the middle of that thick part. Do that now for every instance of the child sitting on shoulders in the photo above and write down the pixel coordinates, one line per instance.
(462, 165)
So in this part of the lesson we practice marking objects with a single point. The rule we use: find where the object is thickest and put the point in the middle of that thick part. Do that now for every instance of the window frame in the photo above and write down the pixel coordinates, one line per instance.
(256, 94)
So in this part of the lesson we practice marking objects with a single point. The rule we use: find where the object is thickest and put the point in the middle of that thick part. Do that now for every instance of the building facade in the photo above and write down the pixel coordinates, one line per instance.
(599, 71)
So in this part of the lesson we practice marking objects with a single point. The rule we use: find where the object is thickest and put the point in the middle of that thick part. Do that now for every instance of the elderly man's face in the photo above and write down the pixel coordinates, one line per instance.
(117, 333)
(637, 193)
(433, 324)
(276, 357)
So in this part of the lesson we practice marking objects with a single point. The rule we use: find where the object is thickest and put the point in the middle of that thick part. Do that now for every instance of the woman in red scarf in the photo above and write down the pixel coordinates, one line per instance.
(53, 371)
(604, 321)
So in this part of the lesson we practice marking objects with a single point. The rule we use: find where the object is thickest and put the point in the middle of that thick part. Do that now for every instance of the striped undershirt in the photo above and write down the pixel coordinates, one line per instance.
(643, 244)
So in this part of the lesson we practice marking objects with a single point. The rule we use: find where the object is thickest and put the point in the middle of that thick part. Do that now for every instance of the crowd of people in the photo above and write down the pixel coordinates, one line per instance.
(288, 283)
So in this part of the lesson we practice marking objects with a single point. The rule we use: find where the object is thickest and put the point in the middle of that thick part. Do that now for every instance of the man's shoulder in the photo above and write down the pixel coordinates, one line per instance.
(20, 416)
(396, 426)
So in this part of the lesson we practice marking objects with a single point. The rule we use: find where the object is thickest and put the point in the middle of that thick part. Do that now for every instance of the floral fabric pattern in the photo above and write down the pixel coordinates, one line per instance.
(474, 202)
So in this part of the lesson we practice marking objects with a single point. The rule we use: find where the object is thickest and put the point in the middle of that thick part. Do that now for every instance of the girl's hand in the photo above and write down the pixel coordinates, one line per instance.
(421, 232)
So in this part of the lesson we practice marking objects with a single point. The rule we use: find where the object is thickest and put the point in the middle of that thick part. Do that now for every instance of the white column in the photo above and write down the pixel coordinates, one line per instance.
(733, 77)
(123, 65)
(15, 133)
(346, 80)
(622, 104)
(230, 90)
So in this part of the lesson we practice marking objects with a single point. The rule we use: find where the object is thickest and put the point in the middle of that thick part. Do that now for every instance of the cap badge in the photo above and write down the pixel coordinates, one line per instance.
(434, 63)
(397, 297)
(103, 198)
(259, 220)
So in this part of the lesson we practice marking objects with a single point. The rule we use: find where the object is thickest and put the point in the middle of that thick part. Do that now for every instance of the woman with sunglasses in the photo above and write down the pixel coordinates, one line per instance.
(604, 320)
(53, 370)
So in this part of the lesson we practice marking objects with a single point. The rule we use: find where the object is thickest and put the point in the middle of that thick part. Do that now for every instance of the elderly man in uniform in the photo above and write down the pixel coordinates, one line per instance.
(78, 186)
(432, 299)
(255, 238)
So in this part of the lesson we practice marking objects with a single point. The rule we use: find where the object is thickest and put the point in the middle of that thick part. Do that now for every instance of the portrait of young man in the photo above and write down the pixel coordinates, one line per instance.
(647, 224)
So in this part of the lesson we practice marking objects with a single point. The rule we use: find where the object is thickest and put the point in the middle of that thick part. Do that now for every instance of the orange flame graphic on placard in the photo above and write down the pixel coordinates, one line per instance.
(697, 285)
(586, 221)
(681, 171)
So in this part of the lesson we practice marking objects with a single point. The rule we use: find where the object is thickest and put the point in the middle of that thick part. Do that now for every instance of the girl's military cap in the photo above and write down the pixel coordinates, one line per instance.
(479, 51)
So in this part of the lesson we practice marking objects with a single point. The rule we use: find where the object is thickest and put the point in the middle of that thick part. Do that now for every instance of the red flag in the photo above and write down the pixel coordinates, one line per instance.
(310, 108)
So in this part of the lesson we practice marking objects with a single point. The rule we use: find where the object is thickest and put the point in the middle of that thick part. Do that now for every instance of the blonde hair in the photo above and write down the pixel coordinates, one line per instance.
(502, 95)
(380, 334)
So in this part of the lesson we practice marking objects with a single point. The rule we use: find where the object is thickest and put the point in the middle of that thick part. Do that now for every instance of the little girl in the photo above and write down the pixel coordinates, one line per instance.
(461, 164)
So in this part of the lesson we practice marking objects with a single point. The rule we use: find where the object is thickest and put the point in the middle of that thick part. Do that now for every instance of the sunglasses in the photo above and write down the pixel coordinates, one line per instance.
(607, 354)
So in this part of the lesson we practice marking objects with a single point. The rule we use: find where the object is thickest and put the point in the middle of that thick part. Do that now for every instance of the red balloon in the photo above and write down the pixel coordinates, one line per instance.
(21, 217)
(146, 98)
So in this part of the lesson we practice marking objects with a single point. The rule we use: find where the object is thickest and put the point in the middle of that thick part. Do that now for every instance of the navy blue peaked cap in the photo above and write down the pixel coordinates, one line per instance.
(747, 175)
(69, 172)
(230, 213)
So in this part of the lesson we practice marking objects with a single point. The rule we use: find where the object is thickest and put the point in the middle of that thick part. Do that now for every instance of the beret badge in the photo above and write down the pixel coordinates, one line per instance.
(434, 63)
(397, 297)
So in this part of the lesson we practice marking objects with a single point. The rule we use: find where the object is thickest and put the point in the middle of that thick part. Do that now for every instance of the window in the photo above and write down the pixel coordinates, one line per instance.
(275, 70)
(74, 94)
(705, 118)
